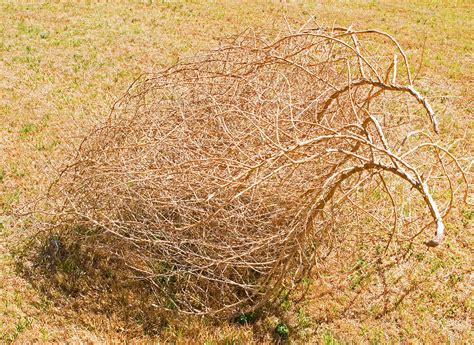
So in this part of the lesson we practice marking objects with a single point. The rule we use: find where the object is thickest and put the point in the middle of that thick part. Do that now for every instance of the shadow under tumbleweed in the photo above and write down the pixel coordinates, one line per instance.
(91, 288)
(98, 291)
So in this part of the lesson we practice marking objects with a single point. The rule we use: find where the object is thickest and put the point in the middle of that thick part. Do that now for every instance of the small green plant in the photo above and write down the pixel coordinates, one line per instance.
(43, 334)
(282, 330)
(437, 263)
(245, 318)
(20, 326)
(455, 278)
(307, 282)
(329, 338)
(27, 129)
(286, 304)
(468, 216)
(230, 341)
(285, 301)
(358, 276)
(8, 199)
(302, 318)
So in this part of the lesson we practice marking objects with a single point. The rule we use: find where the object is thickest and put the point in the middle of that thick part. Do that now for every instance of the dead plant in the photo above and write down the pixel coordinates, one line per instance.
(220, 180)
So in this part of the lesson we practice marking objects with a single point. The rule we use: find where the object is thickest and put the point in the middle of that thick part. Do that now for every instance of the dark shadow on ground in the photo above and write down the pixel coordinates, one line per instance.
(91, 288)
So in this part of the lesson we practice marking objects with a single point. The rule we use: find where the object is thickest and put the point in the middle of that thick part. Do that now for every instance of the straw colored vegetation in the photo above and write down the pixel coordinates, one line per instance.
(280, 188)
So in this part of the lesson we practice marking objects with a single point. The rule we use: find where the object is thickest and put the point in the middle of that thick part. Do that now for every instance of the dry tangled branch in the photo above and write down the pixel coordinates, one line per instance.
(218, 180)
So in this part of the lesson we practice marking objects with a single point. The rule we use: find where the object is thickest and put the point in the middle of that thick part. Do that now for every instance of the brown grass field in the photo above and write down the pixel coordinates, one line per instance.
(62, 66)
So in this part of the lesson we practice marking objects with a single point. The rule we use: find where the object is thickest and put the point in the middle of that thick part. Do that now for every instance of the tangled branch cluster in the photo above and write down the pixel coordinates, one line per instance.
(217, 180)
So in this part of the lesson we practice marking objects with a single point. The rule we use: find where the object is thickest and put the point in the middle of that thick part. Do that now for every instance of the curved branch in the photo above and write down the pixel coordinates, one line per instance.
(422, 187)
(384, 86)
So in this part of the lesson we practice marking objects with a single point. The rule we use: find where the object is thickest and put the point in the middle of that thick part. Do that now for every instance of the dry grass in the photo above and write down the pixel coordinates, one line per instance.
(62, 68)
